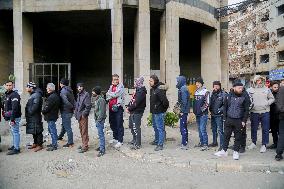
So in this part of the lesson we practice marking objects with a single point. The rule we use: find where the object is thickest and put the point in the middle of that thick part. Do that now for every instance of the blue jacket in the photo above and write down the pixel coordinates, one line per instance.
(183, 94)
(201, 101)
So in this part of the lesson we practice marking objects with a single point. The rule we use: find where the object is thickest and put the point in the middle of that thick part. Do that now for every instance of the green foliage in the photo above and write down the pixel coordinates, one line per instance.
(171, 119)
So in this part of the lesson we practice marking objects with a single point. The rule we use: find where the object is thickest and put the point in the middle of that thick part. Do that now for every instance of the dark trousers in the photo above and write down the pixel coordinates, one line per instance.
(183, 129)
(274, 126)
(264, 120)
(116, 124)
(244, 137)
(38, 139)
(280, 143)
(233, 125)
(135, 126)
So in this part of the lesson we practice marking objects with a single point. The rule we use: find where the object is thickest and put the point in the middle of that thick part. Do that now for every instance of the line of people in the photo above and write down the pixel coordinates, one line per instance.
(229, 114)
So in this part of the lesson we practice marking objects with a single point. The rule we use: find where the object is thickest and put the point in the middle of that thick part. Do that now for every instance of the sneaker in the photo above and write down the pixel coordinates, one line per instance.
(82, 150)
(204, 148)
(118, 145)
(272, 146)
(68, 145)
(13, 152)
(38, 148)
(11, 148)
(154, 143)
(262, 149)
(236, 155)
(101, 153)
(79, 148)
(131, 142)
(49, 145)
(199, 145)
(213, 145)
(252, 146)
(242, 150)
(135, 147)
(221, 153)
(159, 147)
(184, 147)
(50, 149)
(278, 157)
(97, 149)
(113, 141)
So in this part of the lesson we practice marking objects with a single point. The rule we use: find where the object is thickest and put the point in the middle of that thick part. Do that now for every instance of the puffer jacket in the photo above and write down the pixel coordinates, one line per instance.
(183, 94)
(51, 107)
(33, 112)
(261, 96)
(158, 99)
(67, 100)
(216, 105)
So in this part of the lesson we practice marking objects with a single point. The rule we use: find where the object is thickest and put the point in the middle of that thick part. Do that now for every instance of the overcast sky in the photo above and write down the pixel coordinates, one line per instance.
(234, 1)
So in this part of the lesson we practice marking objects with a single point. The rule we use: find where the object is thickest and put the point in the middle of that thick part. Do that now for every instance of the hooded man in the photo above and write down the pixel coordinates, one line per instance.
(33, 116)
(136, 109)
(260, 112)
(184, 103)
(158, 107)
(200, 109)
(67, 108)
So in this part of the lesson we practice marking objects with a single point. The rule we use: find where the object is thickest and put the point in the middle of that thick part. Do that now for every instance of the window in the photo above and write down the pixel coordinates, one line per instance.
(280, 9)
(280, 56)
(280, 32)
(264, 58)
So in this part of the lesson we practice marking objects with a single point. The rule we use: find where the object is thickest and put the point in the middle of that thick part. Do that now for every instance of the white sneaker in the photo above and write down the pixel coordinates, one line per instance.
(236, 155)
(118, 145)
(251, 146)
(221, 153)
(263, 149)
(113, 141)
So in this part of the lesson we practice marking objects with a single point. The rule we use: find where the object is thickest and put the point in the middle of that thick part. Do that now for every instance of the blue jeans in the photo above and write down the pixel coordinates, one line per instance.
(159, 128)
(217, 129)
(100, 127)
(66, 124)
(264, 118)
(53, 132)
(183, 129)
(201, 124)
(15, 131)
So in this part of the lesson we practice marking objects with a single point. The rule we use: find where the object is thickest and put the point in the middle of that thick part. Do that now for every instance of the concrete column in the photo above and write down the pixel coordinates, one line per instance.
(210, 56)
(172, 52)
(163, 48)
(117, 38)
(23, 47)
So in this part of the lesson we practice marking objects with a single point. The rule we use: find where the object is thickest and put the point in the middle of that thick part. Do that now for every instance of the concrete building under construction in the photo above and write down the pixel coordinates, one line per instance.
(88, 40)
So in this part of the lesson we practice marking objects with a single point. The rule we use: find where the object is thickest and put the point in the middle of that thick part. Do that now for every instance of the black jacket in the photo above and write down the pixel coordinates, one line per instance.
(33, 112)
(274, 114)
(158, 99)
(51, 107)
(280, 103)
(139, 104)
(236, 106)
(67, 100)
(12, 105)
(216, 106)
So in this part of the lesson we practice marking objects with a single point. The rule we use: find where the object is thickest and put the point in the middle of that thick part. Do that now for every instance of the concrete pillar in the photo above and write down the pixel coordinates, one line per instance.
(210, 56)
(117, 38)
(163, 48)
(172, 52)
(23, 48)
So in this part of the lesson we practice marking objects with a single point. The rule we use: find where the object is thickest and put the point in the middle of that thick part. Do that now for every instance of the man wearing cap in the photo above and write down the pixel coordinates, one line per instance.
(236, 112)
(67, 108)
(82, 111)
(33, 116)
(216, 108)
(200, 109)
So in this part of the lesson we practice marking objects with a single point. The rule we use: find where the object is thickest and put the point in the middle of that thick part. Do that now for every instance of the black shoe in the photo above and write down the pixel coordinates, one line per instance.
(68, 145)
(13, 152)
(82, 150)
(135, 147)
(59, 138)
(49, 145)
(50, 149)
(213, 145)
(278, 157)
(272, 146)
(154, 143)
(159, 147)
(98, 149)
(101, 153)
(242, 150)
(131, 142)
(11, 148)
(199, 145)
